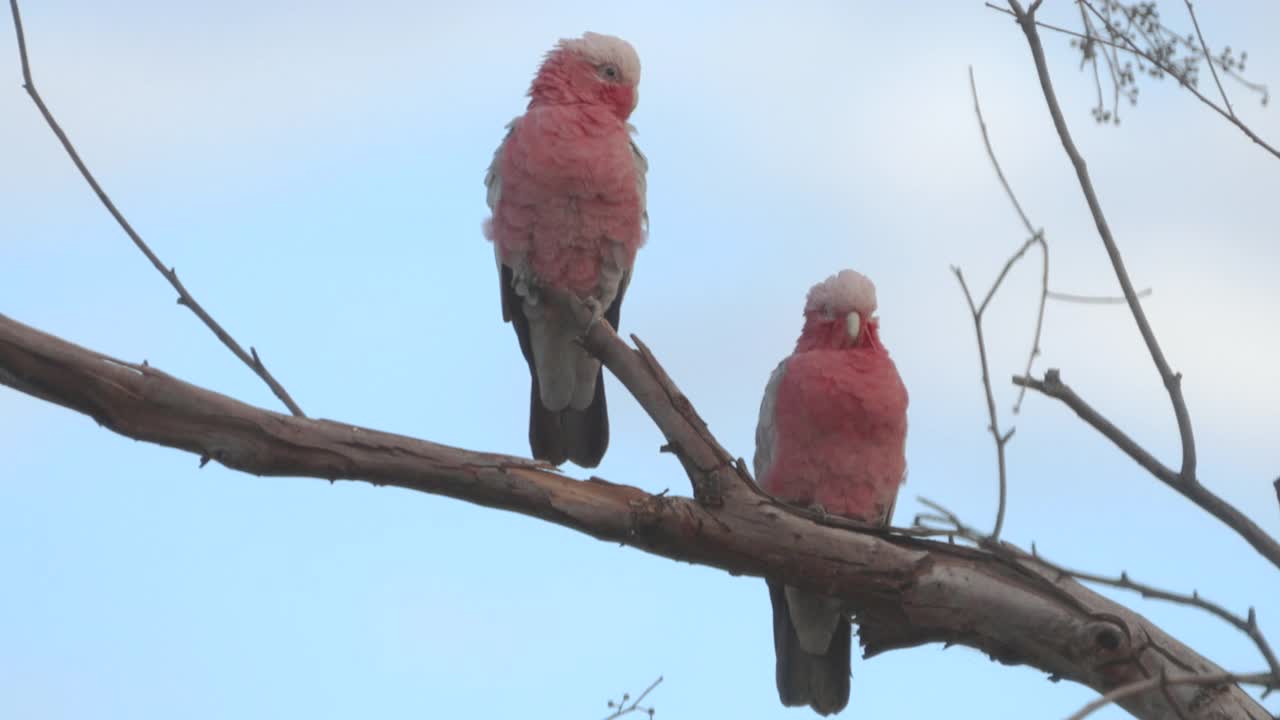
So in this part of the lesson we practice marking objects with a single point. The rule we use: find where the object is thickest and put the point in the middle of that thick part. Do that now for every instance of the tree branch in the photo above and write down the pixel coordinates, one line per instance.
(622, 708)
(1092, 300)
(185, 298)
(906, 591)
(1053, 387)
(1172, 380)
(1120, 694)
(1164, 67)
(1036, 236)
(1208, 58)
(1182, 80)
(993, 424)
(1247, 625)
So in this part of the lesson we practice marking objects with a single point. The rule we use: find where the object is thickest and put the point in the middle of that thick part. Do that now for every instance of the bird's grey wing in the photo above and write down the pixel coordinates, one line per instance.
(642, 170)
(766, 432)
(493, 193)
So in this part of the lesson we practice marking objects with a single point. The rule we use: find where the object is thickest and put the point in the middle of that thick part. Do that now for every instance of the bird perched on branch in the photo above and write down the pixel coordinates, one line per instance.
(567, 193)
(832, 433)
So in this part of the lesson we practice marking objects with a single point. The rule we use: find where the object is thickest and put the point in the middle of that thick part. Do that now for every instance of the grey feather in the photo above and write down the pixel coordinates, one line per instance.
(765, 432)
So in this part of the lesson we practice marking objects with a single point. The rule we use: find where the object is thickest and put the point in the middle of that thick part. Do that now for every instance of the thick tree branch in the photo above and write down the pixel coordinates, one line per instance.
(185, 298)
(905, 591)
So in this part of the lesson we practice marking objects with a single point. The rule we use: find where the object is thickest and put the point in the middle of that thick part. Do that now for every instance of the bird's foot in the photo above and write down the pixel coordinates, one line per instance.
(597, 311)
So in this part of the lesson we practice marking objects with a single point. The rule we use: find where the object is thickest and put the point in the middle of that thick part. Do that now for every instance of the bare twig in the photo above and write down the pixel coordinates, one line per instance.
(1162, 681)
(1001, 439)
(1181, 78)
(1094, 299)
(623, 709)
(1129, 47)
(991, 154)
(1052, 386)
(1172, 380)
(1089, 53)
(1037, 237)
(1247, 625)
(250, 358)
(1209, 59)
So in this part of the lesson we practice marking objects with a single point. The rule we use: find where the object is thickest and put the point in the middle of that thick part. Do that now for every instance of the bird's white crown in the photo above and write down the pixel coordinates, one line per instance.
(600, 49)
(846, 291)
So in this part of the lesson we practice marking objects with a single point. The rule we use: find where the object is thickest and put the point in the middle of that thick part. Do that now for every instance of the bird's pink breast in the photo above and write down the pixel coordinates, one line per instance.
(840, 432)
(569, 186)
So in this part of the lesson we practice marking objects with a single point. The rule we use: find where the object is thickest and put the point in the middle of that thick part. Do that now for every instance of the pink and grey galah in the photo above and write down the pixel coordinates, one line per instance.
(832, 433)
(567, 193)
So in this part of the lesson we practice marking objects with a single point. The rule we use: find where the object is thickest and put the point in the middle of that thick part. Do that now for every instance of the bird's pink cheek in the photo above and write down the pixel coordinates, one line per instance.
(623, 100)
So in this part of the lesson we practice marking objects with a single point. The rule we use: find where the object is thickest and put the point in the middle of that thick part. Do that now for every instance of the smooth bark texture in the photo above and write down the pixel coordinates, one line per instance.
(905, 591)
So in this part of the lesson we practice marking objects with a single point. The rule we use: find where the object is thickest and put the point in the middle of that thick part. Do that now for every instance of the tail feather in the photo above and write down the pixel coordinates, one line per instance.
(586, 432)
(819, 681)
(578, 435)
(546, 439)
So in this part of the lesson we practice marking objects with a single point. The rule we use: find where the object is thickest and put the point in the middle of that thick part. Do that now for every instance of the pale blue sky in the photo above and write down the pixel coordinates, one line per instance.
(313, 170)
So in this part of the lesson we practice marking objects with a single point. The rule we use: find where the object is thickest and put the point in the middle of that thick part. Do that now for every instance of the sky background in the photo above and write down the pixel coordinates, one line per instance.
(314, 172)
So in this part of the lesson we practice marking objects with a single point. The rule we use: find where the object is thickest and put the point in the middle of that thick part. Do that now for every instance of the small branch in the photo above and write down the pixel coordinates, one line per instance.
(1044, 299)
(1247, 625)
(1094, 299)
(1163, 681)
(1182, 80)
(994, 423)
(1208, 57)
(624, 709)
(1037, 236)
(1172, 380)
(184, 298)
(1053, 387)
(953, 527)
(991, 155)
(1129, 47)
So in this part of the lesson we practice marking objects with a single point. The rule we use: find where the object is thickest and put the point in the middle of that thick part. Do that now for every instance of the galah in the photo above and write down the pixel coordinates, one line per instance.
(567, 193)
(832, 433)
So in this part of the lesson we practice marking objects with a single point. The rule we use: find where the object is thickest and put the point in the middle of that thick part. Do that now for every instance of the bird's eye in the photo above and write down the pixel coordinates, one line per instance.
(609, 72)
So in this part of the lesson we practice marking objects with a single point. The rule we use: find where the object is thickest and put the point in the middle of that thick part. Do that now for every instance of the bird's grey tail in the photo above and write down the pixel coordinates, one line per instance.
(819, 681)
(578, 435)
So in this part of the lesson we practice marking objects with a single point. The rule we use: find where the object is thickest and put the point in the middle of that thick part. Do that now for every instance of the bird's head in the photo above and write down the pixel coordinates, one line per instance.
(593, 69)
(839, 313)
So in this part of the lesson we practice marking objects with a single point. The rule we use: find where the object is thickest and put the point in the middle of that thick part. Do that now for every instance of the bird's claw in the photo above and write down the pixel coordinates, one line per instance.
(597, 311)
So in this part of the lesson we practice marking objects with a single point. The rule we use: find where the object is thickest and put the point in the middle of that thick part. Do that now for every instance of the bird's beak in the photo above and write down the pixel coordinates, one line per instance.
(853, 326)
